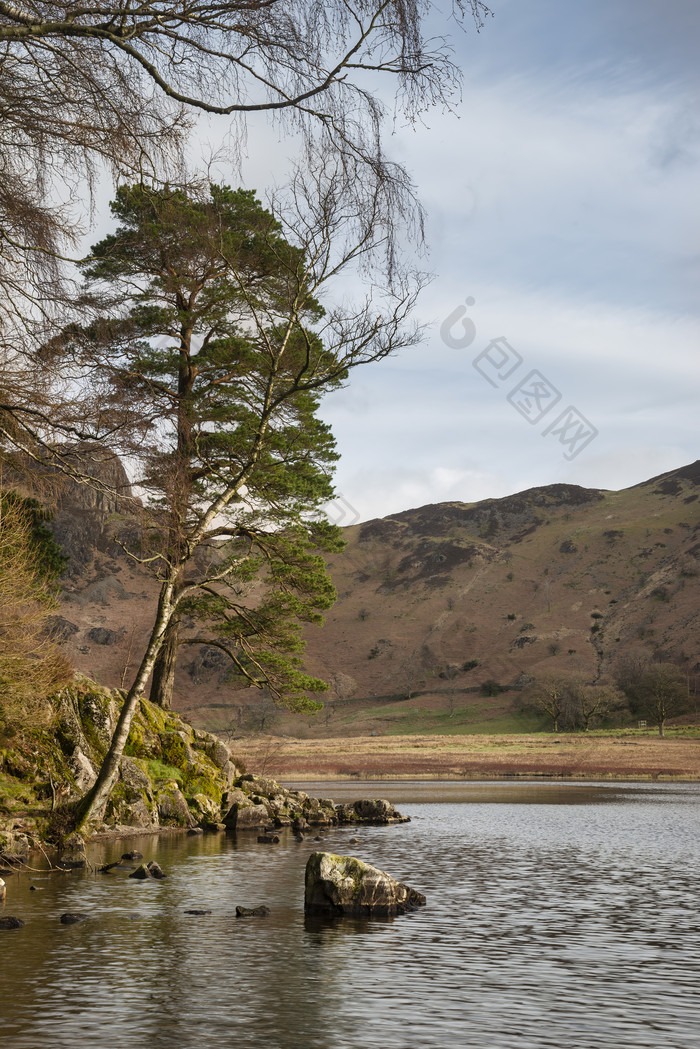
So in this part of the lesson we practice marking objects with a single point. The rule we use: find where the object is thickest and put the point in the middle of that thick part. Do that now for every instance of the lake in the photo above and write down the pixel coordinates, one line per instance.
(559, 914)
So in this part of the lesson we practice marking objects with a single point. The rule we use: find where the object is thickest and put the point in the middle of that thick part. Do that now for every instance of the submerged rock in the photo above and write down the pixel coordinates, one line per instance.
(72, 918)
(345, 885)
(148, 870)
(252, 912)
(8, 921)
(107, 867)
(141, 873)
(72, 852)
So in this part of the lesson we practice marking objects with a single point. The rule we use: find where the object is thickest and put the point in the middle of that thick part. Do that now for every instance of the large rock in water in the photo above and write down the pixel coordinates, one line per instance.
(345, 885)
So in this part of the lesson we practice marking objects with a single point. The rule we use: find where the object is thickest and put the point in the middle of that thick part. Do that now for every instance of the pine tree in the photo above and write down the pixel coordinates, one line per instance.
(212, 351)
(206, 328)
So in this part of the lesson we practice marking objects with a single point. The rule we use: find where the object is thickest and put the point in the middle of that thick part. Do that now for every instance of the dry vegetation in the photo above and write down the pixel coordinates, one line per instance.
(31, 665)
(626, 755)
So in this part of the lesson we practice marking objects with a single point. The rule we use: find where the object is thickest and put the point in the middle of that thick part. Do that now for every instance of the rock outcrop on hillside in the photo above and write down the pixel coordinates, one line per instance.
(433, 603)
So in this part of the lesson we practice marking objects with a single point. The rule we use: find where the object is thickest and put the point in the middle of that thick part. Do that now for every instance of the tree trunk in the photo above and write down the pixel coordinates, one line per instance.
(661, 728)
(92, 806)
(163, 681)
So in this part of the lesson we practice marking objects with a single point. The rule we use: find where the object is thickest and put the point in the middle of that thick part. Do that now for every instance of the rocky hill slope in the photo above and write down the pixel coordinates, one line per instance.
(559, 579)
(433, 602)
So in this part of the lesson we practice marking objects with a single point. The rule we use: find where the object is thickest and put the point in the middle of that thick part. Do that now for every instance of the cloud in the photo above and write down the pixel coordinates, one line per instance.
(427, 426)
(590, 191)
(564, 202)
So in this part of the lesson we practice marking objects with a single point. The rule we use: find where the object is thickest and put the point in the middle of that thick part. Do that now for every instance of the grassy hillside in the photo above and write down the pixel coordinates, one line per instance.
(433, 603)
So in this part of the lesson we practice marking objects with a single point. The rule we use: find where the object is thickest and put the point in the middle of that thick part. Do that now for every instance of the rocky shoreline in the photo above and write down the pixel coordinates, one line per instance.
(173, 777)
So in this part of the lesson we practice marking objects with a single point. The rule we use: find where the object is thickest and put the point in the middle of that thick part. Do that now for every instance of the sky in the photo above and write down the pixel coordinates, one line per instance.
(563, 217)
(563, 204)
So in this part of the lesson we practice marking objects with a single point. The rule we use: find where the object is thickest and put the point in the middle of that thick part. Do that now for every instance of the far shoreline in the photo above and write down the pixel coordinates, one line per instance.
(616, 757)
(513, 777)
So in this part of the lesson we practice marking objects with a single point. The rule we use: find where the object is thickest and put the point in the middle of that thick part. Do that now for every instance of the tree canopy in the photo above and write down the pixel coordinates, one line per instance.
(208, 352)
(260, 55)
(657, 689)
(205, 353)
(116, 83)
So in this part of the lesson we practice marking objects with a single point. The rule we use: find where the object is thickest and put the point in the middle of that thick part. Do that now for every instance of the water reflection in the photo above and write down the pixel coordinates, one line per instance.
(564, 916)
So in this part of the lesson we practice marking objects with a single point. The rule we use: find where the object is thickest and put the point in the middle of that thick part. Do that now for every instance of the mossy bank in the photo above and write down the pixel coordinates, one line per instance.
(171, 776)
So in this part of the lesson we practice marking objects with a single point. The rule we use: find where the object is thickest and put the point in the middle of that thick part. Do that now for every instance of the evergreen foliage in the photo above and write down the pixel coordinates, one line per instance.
(205, 346)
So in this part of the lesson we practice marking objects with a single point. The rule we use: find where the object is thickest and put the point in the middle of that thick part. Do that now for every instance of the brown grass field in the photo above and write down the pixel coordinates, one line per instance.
(618, 756)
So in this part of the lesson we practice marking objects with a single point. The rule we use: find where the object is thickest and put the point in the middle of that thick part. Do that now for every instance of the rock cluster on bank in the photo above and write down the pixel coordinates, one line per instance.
(256, 802)
(172, 775)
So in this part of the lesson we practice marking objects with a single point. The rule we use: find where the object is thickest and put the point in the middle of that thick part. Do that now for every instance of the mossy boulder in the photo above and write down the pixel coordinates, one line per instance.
(84, 772)
(98, 715)
(247, 816)
(261, 785)
(170, 774)
(206, 808)
(176, 750)
(173, 809)
(218, 753)
(345, 885)
(369, 811)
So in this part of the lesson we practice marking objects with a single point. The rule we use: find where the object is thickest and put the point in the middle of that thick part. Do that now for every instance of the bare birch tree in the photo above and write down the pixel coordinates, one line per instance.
(119, 83)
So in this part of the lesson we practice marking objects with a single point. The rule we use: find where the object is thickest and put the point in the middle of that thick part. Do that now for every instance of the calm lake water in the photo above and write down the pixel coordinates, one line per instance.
(562, 915)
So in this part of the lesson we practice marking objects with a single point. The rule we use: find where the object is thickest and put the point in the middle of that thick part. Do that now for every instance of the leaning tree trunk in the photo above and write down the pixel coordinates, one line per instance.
(163, 681)
(92, 806)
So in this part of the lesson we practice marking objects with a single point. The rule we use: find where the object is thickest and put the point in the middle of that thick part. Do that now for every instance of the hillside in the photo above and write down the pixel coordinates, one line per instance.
(432, 602)
(560, 579)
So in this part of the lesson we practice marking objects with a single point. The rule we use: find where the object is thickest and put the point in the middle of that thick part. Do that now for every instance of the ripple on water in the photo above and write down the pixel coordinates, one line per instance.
(550, 922)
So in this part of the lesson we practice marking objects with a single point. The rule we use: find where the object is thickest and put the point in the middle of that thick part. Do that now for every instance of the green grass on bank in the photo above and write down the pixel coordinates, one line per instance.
(410, 718)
